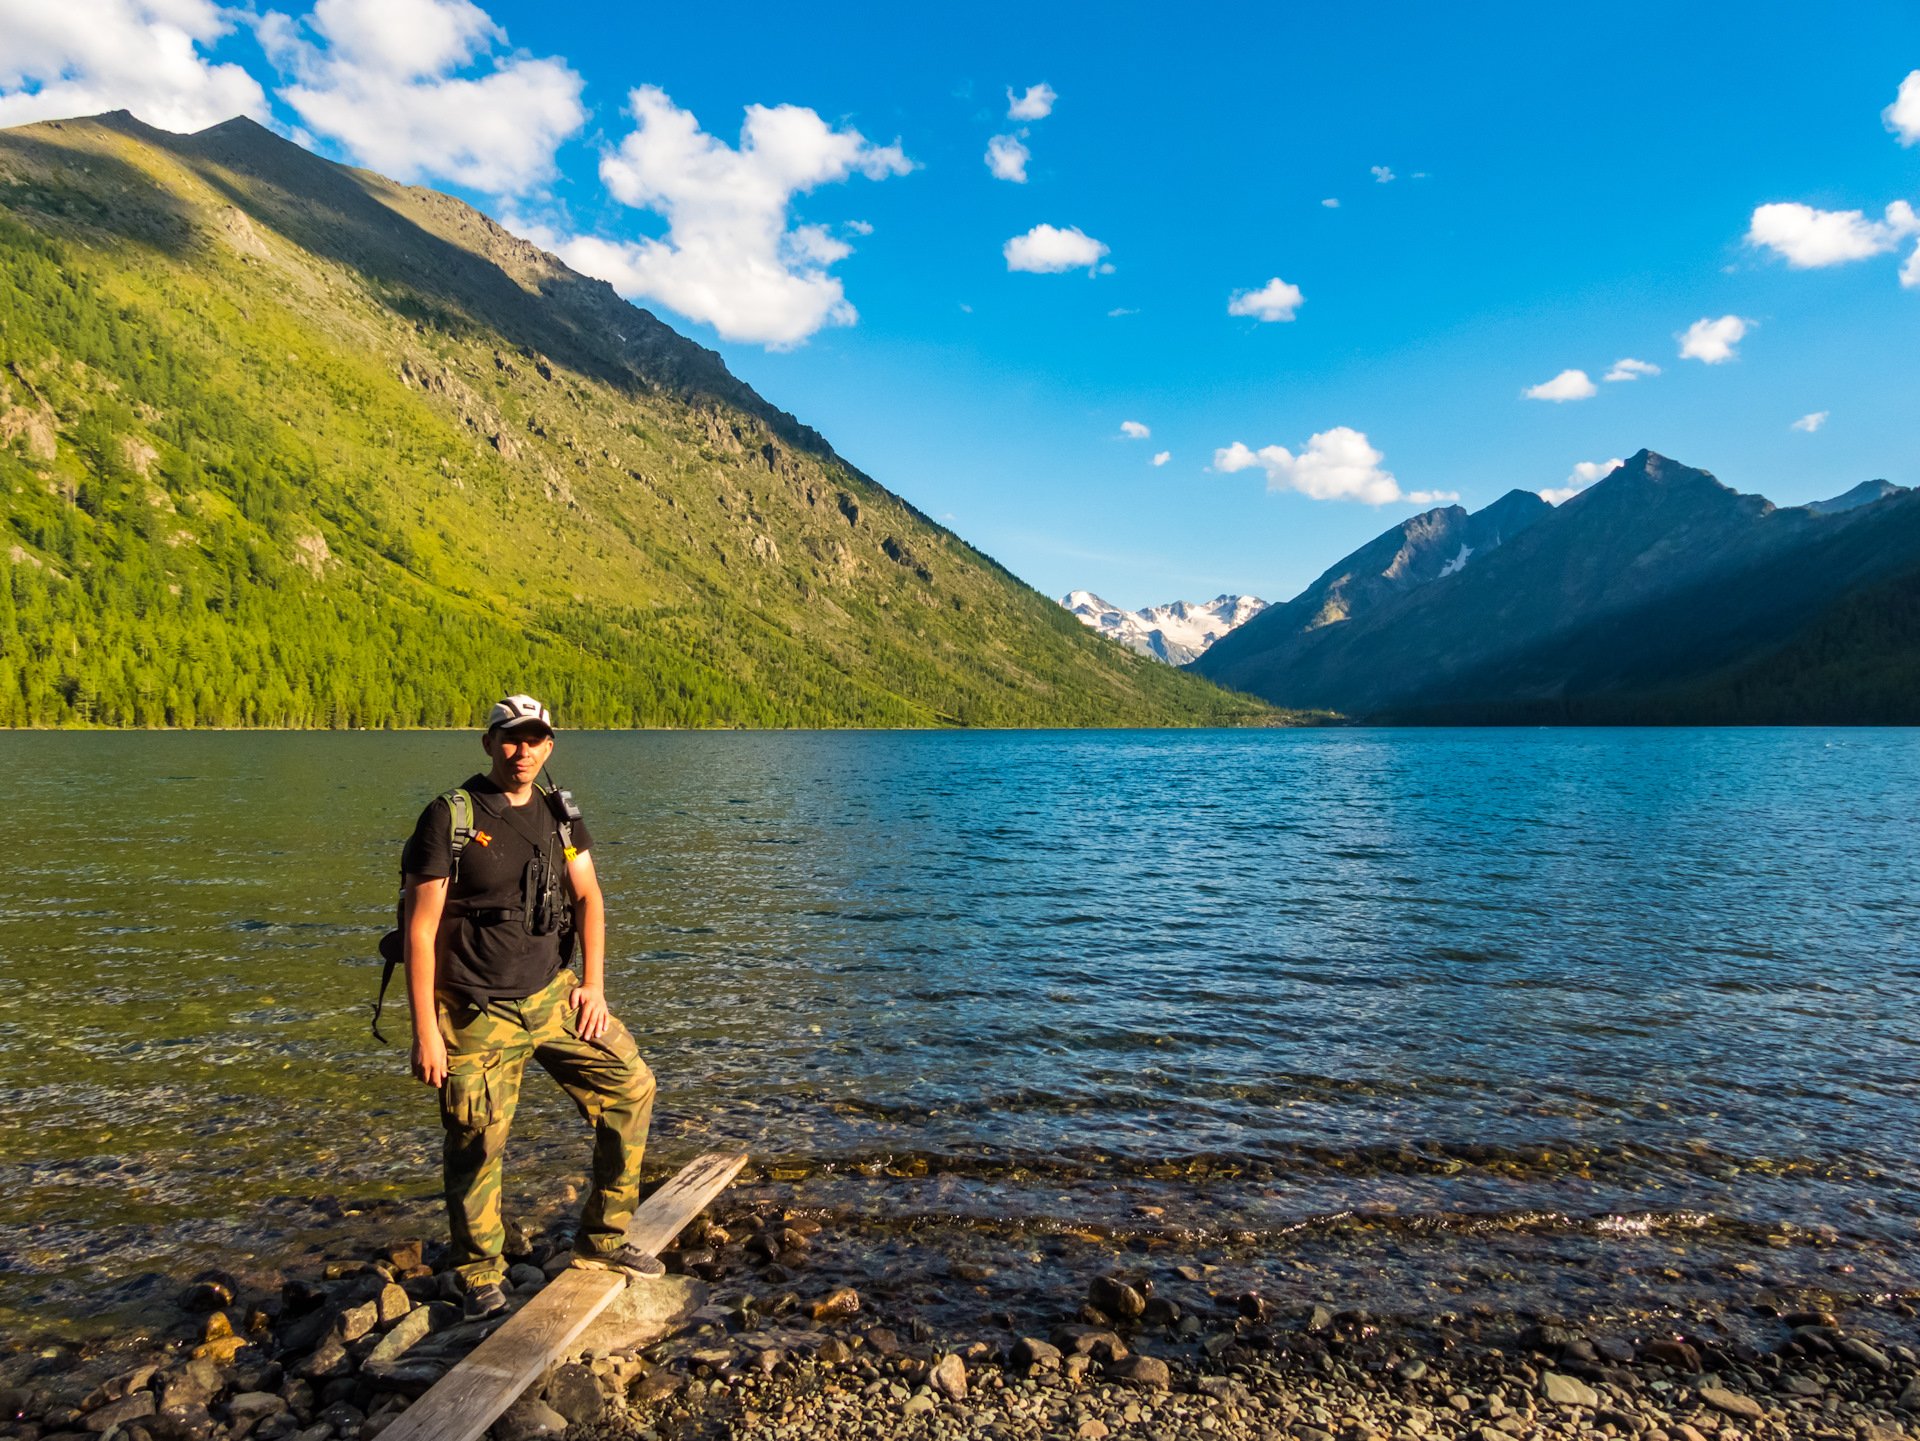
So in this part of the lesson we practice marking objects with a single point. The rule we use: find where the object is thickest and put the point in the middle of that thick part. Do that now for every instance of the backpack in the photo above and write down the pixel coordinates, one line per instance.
(393, 945)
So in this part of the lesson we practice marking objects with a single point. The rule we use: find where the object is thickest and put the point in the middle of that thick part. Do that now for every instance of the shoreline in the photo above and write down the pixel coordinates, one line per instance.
(788, 1326)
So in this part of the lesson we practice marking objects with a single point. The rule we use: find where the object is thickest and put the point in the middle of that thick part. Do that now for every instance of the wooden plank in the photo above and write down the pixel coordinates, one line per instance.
(470, 1397)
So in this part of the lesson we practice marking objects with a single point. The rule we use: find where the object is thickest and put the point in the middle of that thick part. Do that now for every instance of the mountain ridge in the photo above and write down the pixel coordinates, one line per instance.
(1176, 632)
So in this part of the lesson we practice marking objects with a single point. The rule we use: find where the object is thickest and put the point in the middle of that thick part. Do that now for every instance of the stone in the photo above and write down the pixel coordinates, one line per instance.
(195, 1383)
(411, 1329)
(253, 1405)
(1317, 1320)
(1091, 1429)
(391, 1304)
(1412, 1369)
(1731, 1403)
(1116, 1298)
(949, 1377)
(1031, 1354)
(1675, 1355)
(209, 1295)
(116, 1388)
(329, 1359)
(527, 1418)
(574, 1392)
(1858, 1350)
(1910, 1398)
(918, 1405)
(525, 1277)
(1148, 1371)
(1563, 1390)
(1224, 1389)
(222, 1350)
(128, 1409)
(643, 1313)
(837, 1305)
(883, 1341)
(356, 1321)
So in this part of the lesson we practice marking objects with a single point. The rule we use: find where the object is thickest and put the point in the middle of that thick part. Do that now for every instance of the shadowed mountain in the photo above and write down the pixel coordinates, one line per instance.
(1639, 597)
(283, 442)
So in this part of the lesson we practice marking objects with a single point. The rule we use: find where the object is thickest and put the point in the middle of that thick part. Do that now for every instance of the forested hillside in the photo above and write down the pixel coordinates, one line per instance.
(285, 444)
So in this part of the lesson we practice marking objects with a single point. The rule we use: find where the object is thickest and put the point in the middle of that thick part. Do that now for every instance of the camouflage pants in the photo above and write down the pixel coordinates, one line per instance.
(488, 1045)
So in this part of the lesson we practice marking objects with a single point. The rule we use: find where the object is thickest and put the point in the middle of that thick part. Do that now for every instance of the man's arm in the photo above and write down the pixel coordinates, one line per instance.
(426, 900)
(590, 917)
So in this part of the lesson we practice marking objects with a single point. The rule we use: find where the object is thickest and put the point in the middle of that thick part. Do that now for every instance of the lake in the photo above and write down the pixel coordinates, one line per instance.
(1587, 1020)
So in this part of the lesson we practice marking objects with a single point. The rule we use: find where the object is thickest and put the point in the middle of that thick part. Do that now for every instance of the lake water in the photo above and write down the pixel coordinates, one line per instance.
(1604, 1021)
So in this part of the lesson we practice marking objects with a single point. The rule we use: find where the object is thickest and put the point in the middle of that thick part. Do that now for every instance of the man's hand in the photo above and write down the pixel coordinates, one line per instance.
(430, 1059)
(591, 1002)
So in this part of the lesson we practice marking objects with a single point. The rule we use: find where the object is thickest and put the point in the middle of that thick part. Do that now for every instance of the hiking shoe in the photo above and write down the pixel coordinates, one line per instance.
(483, 1301)
(625, 1258)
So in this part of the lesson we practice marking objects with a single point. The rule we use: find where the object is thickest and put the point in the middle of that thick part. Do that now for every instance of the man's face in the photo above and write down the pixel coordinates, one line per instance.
(518, 754)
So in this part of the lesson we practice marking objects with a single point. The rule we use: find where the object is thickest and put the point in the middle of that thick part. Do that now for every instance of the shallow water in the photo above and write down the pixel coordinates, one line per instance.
(1620, 1018)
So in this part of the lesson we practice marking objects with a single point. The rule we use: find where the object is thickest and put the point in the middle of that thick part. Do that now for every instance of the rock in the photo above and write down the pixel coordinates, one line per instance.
(883, 1341)
(527, 1418)
(221, 1351)
(574, 1392)
(642, 1314)
(1031, 1354)
(1411, 1369)
(1224, 1389)
(1116, 1298)
(356, 1321)
(209, 1295)
(657, 1386)
(1732, 1403)
(1910, 1398)
(525, 1277)
(833, 1351)
(918, 1405)
(1148, 1371)
(1091, 1429)
(128, 1409)
(1797, 1319)
(194, 1384)
(329, 1359)
(118, 1388)
(1564, 1390)
(1858, 1350)
(1317, 1320)
(837, 1305)
(412, 1329)
(1676, 1355)
(253, 1405)
(949, 1377)
(391, 1304)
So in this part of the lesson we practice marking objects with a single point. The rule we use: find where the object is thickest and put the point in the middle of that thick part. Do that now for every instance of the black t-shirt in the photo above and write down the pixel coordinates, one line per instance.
(480, 957)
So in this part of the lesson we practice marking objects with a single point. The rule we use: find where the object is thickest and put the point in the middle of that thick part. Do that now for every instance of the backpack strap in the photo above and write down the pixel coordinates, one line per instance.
(393, 945)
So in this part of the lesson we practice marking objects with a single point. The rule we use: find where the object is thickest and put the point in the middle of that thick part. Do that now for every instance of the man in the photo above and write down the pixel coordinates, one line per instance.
(488, 878)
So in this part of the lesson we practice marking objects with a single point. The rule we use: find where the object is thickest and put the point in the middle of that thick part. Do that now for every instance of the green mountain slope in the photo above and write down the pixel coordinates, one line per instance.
(285, 443)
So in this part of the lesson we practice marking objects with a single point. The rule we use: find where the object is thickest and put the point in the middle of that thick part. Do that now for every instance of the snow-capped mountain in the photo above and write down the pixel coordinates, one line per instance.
(1173, 633)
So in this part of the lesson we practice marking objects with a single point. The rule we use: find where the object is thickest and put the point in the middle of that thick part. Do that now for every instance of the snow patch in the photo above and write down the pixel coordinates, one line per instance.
(1174, 633)
(1458, 563)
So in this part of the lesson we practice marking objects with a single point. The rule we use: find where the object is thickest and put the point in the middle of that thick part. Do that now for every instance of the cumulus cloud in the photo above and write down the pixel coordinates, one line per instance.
(1382, 174)
(1628, 368)
(1567, 385)
(1161, 457)
(1007, 158)
(731, 256)
(1331, 203)
(1713, 341)
(1276, 300)
(1036, 104)
(1584, 474)
(1810, 239)
(1337, 464)
(1903, 116)
(81, 57)
(1134, 430)
(381, 80)
(1910, 272)
(1811, 423)
(1048, 250)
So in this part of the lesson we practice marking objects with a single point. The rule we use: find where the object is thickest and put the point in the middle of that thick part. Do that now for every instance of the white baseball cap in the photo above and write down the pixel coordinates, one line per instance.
(516, 711)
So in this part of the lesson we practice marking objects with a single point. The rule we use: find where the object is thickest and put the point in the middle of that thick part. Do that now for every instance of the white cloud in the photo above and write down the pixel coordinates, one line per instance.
(1903, 116)
(1382, 174)
(381, 82)
(1276, 300)
(1161, 457)
(1713, 341)
(730, 256)
(1567, 385)
(82, 57)
(1134, 430)
(1337, 464)
(1331, 203)
(1628, 368)
(1036, 104)
(1811, 239)
(1047, 250)
(1910, 272)
(1584, 474)
(1811, 423)
(1007, 158)
(859, 227)
(1120, 310)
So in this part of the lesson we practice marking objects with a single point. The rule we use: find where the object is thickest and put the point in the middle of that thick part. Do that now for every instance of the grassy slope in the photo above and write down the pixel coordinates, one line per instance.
(284, 443)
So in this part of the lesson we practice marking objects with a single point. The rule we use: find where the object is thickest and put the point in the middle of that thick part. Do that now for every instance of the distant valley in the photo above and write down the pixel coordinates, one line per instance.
(1175, 633)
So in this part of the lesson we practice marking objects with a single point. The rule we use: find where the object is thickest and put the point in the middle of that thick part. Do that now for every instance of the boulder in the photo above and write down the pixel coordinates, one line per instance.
(1731, 1403)
(645, 1312)
(949, 1377)
(1115, 1297)
(574, 1392)
(526, 1418)
(1564, 1390)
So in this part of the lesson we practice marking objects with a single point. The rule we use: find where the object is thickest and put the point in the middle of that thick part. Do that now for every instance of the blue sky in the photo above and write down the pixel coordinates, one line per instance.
(1523, 192)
